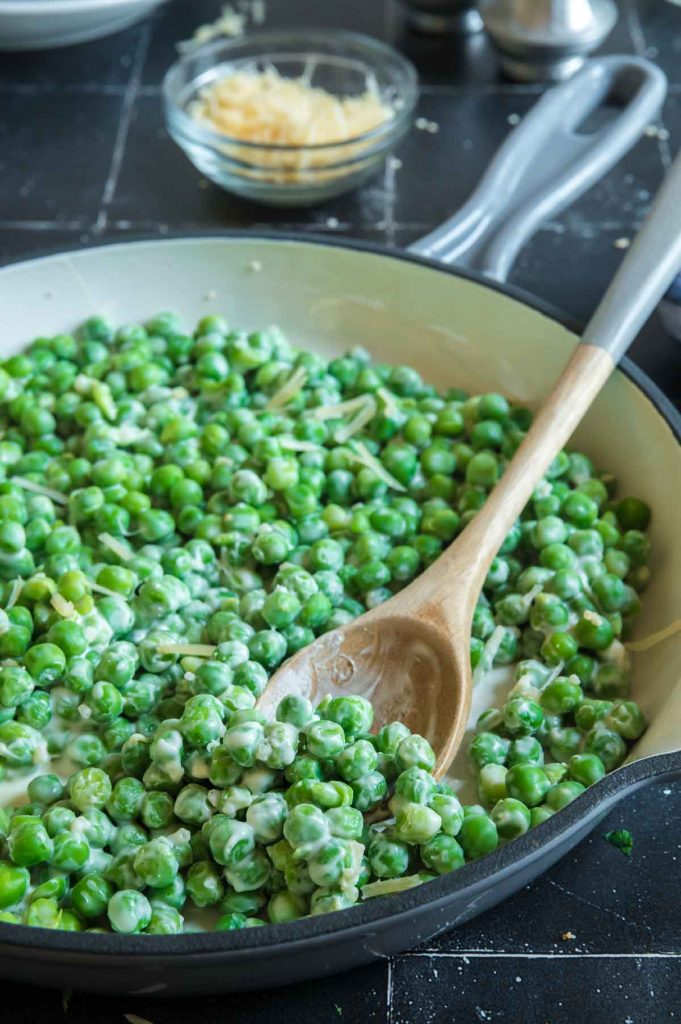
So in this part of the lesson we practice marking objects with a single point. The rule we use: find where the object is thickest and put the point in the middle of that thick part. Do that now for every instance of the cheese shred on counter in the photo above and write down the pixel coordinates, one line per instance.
(264, 107)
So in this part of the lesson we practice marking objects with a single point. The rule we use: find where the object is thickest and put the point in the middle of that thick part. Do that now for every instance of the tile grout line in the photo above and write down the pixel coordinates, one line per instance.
(75, 89)
(123, 127)
(43, 225)
(482, 88)
(316, 228)
(426, 89)
(389, 177)
(68, 89)
(484, 955)
(390, 1018)
(389, 18)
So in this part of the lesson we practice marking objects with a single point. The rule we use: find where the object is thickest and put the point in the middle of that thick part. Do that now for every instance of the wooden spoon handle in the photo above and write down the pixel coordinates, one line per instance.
(585, 374)
(640, 282)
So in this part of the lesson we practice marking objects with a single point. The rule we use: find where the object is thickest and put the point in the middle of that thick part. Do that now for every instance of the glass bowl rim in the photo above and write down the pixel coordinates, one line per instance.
(301, 41)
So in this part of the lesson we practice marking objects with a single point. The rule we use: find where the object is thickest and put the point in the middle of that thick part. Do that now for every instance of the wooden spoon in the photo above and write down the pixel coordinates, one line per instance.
(410, 656)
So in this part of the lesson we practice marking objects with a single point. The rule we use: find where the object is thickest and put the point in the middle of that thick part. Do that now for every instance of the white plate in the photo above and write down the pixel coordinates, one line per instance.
(49, 24)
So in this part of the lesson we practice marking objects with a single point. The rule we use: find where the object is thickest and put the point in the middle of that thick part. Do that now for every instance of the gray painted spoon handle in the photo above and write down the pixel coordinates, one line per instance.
(643, 277)
(649, 267)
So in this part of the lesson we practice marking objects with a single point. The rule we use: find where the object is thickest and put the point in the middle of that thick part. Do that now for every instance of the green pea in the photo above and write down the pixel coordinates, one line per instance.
(610, 682)
(204, 885)
(540, 814)
(29, 843)
(478, 836)
(415, 751)
(231, 922)
(90, 787)
(564, 742)
(488, 748)
(164, 920)
(633, 514)
(626, 718)
(522, 715)
(527, 783)
(492, 783)
(325, 739)
(416, 824)
(90, 896)
(14, 882)
(586, 768)
(511, 817)
(593, 631)
(563, 793)
(442, 854)
(607, 745)
(128, 911)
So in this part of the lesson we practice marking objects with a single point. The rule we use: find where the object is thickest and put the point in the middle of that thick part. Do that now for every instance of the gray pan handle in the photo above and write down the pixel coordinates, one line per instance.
(652, 263)
(545, 163)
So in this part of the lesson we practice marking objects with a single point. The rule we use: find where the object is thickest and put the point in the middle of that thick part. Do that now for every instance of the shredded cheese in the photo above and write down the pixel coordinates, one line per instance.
(288, 390)
(529, 597)
(616, 654)
(128, 434)
(336, 412)
(98, 589)
(489, 653)
(195, 650)
(48, 492)
(388, 885)
(358, 421)
(390, 402)
(655, 638)
(82, 385)
(62, 606)
(555, 672)
(230, 23)
(362, 454)
(291, 444)
(285, 130)
(104, 401)
(123, 552)
(17, 587)
(265, 107)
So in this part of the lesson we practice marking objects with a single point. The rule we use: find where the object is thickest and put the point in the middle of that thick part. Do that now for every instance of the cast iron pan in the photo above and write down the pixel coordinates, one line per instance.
(539, 170)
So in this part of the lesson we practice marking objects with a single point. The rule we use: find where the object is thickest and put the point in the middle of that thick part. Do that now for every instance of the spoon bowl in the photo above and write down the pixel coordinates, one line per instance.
(409, 666)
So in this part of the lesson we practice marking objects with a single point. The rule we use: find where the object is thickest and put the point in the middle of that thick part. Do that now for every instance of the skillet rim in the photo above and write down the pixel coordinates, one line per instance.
(496, 866)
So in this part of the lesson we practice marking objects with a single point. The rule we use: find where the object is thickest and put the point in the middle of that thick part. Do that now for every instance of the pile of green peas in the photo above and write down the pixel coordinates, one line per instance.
(179, 513)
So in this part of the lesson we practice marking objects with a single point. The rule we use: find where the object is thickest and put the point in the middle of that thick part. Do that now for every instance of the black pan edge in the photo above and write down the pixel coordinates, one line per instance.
(473, 878)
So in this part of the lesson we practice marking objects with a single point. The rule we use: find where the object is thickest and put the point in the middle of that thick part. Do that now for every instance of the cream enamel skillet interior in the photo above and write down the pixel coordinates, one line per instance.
(458, 329)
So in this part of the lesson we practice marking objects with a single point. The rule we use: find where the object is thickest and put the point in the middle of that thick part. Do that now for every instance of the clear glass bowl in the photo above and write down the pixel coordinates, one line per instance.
(342, 63)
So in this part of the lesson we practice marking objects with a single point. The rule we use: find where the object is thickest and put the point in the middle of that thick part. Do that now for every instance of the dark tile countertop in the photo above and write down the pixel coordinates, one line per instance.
(84, 157)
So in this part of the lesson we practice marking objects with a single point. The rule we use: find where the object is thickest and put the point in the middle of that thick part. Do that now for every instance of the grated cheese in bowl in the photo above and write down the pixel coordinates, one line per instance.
(290, 118)
(265, 107)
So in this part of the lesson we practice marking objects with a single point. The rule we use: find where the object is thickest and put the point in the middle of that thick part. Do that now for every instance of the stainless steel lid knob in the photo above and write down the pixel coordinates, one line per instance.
(546, 40)
(442, 17)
